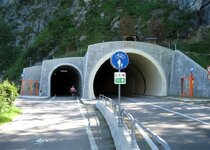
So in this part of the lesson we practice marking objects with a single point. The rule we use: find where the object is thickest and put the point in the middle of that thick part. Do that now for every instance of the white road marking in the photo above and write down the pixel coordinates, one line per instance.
(90, 135)
(51, 99)
(41, 141)
(183, 115)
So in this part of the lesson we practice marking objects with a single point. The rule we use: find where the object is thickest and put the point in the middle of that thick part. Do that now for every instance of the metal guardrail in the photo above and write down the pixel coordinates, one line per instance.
(110, 103)
(122, 113)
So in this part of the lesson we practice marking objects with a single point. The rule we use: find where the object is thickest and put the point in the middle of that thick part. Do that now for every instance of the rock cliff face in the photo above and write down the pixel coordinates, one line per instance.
(29, 17)
(201, 6)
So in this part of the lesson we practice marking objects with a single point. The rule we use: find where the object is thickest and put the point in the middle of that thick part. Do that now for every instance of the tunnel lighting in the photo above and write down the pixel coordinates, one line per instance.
(63, 70)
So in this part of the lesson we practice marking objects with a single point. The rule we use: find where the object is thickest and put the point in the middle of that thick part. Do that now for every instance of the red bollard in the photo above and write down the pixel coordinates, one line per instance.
(191, 80)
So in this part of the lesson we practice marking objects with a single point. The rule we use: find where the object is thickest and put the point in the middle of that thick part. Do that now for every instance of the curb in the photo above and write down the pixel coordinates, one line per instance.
(187, 100)
(32, 97)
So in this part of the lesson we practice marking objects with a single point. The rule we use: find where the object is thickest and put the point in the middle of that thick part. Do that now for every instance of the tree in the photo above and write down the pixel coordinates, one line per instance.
(155, 28)
(127, 26)
(8, 50)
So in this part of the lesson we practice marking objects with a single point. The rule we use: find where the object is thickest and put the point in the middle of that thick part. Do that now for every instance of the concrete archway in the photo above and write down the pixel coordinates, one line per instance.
(144, 76)
(62, 78)
(153, 70)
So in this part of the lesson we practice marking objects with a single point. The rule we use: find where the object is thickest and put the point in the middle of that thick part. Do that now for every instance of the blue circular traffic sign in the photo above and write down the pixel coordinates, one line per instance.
(191, 69)
(119, 60)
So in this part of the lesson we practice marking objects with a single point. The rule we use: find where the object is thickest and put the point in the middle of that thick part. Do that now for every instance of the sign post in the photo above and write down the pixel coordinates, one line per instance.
(119, 60)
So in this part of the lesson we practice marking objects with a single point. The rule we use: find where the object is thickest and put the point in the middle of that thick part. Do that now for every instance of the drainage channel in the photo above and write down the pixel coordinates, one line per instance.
(99, 128)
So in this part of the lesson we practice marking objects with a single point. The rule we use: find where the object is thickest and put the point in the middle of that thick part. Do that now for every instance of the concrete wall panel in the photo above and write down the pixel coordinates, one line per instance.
(32, 73)
(181, 66)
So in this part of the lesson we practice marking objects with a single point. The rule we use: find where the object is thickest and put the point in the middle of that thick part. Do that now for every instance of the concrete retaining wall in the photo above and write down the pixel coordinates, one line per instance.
(121, 138)
(161, 67)
(30, 80)
(180, 67)
(32, 73)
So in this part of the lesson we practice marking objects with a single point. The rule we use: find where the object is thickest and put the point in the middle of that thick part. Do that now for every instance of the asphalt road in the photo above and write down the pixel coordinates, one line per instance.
(46, 125)
(184, 126)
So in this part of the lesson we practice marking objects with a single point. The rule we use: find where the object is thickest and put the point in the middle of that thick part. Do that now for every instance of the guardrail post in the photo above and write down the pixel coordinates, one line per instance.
(105, 101)
(120, 117)
(133, 133)
(115, 109)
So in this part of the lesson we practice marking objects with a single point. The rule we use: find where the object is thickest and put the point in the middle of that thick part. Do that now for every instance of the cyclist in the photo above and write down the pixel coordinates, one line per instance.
(73, 91)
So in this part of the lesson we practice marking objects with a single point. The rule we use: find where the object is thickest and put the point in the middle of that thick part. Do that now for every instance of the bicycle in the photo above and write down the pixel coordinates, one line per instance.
(120, 56)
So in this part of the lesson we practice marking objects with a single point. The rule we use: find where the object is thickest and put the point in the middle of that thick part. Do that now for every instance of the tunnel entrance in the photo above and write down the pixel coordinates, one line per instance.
(104, 80)
(62, 79)
(142, 78)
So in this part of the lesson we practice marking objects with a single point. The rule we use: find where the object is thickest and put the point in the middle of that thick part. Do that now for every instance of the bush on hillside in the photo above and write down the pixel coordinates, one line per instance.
(8, 94)
(4, 107)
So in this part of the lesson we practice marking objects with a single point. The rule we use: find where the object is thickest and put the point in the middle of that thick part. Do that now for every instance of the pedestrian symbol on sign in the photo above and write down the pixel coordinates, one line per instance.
(120, 64)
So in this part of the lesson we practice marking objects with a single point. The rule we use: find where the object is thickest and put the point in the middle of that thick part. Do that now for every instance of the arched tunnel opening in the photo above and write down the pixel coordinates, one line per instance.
(142, 78)
(62, 79)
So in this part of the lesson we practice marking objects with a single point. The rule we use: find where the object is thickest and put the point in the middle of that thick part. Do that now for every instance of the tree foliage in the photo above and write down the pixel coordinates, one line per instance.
(8, 51)
(155, 28)
(8, 94)
(127, 26)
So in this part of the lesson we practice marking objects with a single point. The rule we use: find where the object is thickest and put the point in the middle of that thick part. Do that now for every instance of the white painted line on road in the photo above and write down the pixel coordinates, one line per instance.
(183, 115)
(51, 99)
(90, 135)
(40, 141)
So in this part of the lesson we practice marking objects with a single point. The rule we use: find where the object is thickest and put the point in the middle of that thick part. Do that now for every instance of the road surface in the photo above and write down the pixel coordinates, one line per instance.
(47, 125)
(184, 126)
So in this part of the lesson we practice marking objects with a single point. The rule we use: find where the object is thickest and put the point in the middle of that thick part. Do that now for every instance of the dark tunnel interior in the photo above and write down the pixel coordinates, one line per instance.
(62, 79)
(104, 80)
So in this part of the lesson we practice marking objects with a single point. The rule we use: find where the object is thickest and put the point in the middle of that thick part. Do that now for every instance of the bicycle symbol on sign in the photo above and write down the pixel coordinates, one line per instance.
(120, 56)
(119, 60)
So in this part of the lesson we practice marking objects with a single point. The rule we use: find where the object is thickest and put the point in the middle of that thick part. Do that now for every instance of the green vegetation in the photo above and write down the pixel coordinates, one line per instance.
(202, 47)
(69, 34)
(203, 60)
(10, 114)
(8, 94)
(8, 52)
(198, 51)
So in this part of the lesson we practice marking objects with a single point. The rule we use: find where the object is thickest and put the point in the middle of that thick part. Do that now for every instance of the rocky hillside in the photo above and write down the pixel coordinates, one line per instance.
(200, 7)
(45, 29)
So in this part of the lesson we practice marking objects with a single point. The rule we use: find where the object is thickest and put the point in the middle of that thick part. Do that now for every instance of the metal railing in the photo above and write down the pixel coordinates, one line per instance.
(110, 103)
(131, 126)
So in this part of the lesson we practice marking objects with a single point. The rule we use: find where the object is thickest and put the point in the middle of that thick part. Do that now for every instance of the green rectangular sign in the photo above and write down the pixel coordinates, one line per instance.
(119, 78)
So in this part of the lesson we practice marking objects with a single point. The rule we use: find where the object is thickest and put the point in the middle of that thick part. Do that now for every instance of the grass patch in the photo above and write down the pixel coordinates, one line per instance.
(203, 60)
(9, 115)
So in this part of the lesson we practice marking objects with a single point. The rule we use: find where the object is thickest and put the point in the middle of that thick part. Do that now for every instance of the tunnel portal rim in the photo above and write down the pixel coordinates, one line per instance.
(73, 67)
(138, 52)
